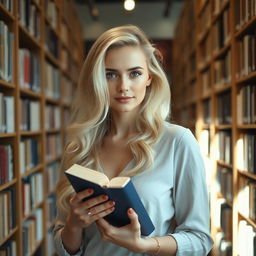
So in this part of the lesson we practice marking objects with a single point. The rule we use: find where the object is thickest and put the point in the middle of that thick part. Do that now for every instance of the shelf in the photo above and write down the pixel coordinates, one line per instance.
(32, 171)
(246, 126)
(248, 78)
(12, 232)
(221, 89)
(223, 126)
(31, 133)
(222, 51)
(251, 222)
(27, 39)
(248, 174)
(222, 9)
(38, 205)
(8, 184)
(6, 15)
(29, 93)
(52, 131)
(245, 28)
(6, 85)
(222, 163)
(7, 135)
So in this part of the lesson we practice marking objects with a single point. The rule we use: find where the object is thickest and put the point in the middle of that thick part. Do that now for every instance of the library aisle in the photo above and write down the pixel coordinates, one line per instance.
(219, 105)
(41, 52)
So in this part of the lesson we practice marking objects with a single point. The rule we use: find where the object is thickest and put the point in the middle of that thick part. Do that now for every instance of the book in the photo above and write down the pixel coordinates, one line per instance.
(119, 189)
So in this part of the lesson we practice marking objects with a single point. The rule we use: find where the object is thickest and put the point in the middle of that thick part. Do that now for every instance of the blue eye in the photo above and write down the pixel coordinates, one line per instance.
(111, 75)
(135, 74)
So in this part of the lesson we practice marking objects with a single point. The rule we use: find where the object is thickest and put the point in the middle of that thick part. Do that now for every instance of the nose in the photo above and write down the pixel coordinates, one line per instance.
(123, 85)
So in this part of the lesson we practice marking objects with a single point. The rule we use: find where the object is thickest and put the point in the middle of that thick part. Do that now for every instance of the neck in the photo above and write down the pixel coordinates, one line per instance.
(122, 125)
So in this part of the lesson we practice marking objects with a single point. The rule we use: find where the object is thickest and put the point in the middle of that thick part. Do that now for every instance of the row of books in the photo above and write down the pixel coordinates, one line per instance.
(6, 164)
(246, 102)
(207, 111)
(29, 115)
(29, 70)
(7, 212)
(224, 182)
(32, 232)
(52, 81)
(29, 154)
(6, 113)
(204, 142)
(51, 13)
(9, 248)
(6, 53)
(247, 198)
(51, 42)
(206, 81)
(52, 117)
(223, 150)
(68, 90)
(222, 70)
(29, 17)
(51, 209)
(64, 56)
(205, 51)
(32, 192)
(224, 108)
(224, 246)
(223, 218)
(8, 4)
(246, 152)
(246, 239)
(53, 174)
(244, 11)
(221, 31)
(53, 146)
(247, 55)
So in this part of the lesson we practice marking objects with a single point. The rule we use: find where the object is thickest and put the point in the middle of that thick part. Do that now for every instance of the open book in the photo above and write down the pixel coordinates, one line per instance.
(119, 189)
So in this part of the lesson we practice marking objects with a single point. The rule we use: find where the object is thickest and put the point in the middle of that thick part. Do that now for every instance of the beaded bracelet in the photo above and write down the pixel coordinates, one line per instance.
(158, 246)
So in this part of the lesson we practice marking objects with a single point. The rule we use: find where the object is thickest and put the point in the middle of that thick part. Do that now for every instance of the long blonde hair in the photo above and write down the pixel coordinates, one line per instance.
(90, 116)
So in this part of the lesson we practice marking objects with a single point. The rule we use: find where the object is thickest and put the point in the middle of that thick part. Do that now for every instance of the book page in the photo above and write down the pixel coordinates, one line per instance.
(88, 174)
(118, 182)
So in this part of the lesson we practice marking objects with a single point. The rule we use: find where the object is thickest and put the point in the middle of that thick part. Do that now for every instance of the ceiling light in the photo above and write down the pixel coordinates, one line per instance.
(129, 5)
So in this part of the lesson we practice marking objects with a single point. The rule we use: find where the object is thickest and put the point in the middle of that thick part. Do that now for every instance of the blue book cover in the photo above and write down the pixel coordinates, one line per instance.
(119, 189)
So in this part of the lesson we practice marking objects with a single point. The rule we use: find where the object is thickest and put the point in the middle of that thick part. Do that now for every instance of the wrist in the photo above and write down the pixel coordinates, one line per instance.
(151, 246)
(70, 227)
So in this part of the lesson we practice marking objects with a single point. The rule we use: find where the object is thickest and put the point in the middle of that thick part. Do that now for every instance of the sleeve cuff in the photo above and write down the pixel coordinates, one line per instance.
(60, 249)
(183, 244)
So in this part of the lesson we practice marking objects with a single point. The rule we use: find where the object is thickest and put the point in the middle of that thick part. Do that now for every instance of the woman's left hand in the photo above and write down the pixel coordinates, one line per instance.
(128, 236)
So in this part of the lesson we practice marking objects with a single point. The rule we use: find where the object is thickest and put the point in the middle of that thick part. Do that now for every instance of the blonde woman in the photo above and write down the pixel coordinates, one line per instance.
(119, 128)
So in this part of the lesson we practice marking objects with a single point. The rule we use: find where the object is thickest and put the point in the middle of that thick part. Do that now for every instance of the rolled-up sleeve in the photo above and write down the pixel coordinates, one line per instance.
(190, 196)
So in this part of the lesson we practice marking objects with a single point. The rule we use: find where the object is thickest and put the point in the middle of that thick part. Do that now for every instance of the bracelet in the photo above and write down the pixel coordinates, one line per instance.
(158, 246)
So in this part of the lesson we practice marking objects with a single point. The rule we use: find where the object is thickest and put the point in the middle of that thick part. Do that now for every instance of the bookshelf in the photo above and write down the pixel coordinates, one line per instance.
(41, 52)
(220, 91)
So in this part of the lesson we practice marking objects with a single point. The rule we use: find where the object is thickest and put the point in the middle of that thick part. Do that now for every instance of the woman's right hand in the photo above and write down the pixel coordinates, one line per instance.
(83, 213)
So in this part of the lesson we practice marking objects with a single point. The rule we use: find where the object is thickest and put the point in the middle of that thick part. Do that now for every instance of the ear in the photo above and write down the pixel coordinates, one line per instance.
(149, 80)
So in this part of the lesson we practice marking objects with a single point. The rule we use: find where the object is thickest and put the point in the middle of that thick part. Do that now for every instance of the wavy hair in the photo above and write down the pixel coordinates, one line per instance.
(91, 117)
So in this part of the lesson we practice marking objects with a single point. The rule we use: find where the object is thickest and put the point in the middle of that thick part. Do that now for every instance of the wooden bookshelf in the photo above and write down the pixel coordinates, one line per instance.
(41, 52)
(224, 100)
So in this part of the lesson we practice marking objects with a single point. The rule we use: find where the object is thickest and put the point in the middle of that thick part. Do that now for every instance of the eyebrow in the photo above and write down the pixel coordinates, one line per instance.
(130, 69)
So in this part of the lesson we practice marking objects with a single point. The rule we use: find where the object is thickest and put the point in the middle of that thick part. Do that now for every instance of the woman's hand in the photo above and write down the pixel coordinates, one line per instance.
(83, 213)
(128, 236)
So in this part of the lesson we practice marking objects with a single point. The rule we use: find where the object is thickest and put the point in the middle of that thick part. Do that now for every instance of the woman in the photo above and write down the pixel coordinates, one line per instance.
(119, 128)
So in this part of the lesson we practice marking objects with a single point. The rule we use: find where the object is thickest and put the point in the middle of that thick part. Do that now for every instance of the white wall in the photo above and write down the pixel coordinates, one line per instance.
(148, 16)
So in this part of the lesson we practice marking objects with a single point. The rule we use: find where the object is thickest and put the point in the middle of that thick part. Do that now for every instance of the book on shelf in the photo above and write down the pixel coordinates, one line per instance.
(6, 164)
(119, 189)
(6, 113)
(246, 238)
(246, 100)
(6, 52)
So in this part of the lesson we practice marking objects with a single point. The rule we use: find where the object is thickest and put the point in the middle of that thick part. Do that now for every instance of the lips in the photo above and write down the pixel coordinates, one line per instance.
(124, 99)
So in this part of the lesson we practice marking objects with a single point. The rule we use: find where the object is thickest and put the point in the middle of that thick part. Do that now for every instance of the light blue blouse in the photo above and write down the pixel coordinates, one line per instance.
(174, 188)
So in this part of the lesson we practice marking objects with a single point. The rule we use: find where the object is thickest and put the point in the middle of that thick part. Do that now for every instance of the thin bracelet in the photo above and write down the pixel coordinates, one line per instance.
(158, 246)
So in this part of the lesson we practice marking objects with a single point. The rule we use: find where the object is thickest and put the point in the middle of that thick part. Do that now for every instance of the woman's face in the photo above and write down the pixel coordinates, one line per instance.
(127, 76)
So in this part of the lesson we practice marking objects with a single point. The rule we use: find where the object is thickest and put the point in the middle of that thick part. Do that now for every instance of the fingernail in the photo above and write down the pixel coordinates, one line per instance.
(131, 211)
(105, 197)
(111, 203)
(90, 191)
